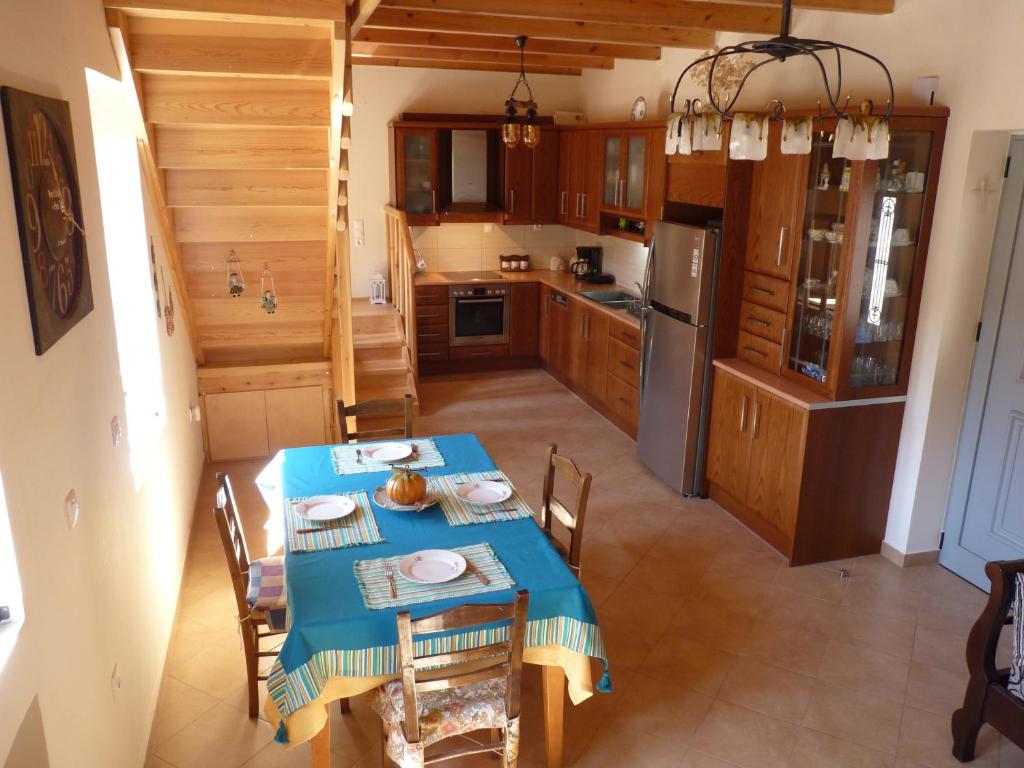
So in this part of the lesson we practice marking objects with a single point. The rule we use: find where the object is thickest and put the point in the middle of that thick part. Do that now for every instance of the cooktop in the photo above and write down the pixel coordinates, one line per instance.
(473, 276)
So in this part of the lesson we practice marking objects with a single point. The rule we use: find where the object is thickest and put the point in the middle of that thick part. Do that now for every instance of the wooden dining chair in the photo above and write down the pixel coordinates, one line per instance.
(259, 590)
(551, 507)
(398, 406)
(452, 694)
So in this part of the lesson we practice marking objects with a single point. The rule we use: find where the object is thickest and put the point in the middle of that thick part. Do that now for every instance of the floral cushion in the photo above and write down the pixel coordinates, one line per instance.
(1016, 682)
(267, 594)
(444, 714)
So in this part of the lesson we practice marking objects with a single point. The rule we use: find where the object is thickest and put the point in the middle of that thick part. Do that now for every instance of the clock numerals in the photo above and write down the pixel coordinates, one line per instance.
(62, 288)
(34, 223)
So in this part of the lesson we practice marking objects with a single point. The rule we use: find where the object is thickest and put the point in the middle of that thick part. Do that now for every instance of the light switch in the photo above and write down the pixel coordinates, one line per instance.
(71, 508)
(359, 233)
(194, 414)
(115, 431)
(115, 682)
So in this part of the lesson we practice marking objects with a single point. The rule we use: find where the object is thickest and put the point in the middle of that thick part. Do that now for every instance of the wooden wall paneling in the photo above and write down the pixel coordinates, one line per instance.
(245, 56)
(245, 187)
(226, 223)
(219, 379)
(271, 353)
(295, 418)
(237, 425)
(241, 147)
(212, 257)
(228, 311)
(289, 284)
(563, 29)
(186, 100)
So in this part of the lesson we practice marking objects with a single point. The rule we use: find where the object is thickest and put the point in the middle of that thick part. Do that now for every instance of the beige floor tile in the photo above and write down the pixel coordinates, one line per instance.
(152, 761)
(217, 670)
(885, 632)
(936, 690)
(793, 608)
(862, 718)
(647, 613)
(743, 596)
(713, 626)
(857, 667)
(1010, 755)
(689, 664)
(925, 739)
(614, 747)
(695, 759)
(768, 690)
(610, 561)
(939, 648)
(745, 738)
(599, 588)
(659, 707)
(674, 578)
(274, 755)
(816, 581)
(222, 738)
(819, 750)
(882, 596)
(937, 611)
(793, 647)
(179, 705)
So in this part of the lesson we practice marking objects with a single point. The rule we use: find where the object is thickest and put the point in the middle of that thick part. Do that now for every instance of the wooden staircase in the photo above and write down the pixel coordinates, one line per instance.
(383, 365)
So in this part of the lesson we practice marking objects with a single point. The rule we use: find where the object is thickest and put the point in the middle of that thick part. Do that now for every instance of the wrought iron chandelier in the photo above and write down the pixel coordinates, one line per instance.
(513, 130)
(781, 48)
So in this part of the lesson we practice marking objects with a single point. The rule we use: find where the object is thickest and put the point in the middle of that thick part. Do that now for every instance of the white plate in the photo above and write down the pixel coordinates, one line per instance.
(325, 507)
(483, 492)
(432, 566)
(387, 452)
(380, 497)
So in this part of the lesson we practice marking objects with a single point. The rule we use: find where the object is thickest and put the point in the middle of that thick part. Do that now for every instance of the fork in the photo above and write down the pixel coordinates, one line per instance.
(359, 455)
(389, 574)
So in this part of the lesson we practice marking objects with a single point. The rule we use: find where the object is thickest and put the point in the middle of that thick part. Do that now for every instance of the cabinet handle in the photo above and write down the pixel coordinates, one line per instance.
(622, 193)
(428, 335)
(626, 365)
(480, 354)
(743, 414)
(563, 203)
(759, 289)
(433, 201)
(758, 320)
(584, 199)
(428, 354)
(757, 417)
(513, 200)
(783, 231)
(586, 327)
(625, 402)
(756, 351)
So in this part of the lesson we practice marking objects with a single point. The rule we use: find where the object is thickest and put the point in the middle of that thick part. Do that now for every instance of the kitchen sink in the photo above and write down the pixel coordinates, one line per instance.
(615, 300)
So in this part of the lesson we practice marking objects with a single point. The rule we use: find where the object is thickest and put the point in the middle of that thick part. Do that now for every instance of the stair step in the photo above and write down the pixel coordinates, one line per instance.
(363, 308)
(392, 365)
(372, 391)
(378, 340)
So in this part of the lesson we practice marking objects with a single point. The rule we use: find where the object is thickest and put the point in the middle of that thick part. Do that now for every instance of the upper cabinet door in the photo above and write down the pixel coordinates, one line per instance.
(633, 192)
(566, 200)
(417, 173)
(610, 186)
(546, 188)
(775, 210)
(518, 184)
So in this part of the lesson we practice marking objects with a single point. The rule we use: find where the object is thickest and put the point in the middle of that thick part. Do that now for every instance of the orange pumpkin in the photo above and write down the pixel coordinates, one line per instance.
(405, 486)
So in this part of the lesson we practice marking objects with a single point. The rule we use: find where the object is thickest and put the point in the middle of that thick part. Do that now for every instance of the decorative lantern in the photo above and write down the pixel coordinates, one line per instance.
(512, 130)
(236, 280)
(268, 296)
(378, 289)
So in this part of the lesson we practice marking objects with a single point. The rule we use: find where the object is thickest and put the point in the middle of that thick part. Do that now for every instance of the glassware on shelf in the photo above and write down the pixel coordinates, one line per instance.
(870, 371)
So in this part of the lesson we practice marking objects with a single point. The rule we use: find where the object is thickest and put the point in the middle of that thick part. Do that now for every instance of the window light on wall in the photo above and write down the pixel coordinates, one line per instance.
(10, 585)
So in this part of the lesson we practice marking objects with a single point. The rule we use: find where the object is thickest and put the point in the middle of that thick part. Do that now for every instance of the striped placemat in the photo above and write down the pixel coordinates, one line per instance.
(347, 462)
(360, 527)
(376, 589)
(459, 512)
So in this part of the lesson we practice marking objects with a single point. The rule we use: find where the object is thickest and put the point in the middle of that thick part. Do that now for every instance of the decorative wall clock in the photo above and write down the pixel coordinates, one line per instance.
(46, 194)
(152, 272)
(169, 306)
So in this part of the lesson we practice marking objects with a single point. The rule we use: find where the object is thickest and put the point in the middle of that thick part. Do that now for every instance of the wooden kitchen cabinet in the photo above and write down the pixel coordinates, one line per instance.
(624, 183)
(777, 430)
(417, 174)
(524, 320)
(579, 179)
(531, 181)
(728, 457)
(236, 425)
(295, 418)
(588, 349)
(556, 328)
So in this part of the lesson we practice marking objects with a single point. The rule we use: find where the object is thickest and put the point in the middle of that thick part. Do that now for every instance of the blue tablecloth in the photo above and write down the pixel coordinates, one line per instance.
(332, 632)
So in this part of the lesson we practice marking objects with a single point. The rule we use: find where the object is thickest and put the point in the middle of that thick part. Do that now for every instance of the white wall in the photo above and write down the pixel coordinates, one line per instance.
(975, 52)
(382, 94)
(105, 592)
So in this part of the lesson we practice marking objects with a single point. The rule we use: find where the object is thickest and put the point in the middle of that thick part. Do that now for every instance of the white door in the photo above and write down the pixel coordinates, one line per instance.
(985, 516)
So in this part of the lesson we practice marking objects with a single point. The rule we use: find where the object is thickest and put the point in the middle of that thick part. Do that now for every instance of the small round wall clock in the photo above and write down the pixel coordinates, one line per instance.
(639, 109)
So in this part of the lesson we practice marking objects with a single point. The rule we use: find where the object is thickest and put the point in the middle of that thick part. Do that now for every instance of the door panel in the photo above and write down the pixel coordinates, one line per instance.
(776, 457)
(729, 442)
(544, 178)
(295, 417)
(236, 423)
(576, 345)
(596, 331)
(518, 183)
(774, 232)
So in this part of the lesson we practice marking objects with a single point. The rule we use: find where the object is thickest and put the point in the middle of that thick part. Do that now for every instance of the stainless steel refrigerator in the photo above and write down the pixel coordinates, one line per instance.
(680, 287)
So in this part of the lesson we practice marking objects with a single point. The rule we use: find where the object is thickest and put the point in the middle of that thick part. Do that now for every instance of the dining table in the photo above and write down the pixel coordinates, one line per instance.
(342, 637)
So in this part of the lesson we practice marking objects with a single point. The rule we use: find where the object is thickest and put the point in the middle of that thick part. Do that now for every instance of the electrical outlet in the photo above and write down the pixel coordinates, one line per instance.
(115, 431)
(115, 682)
(71, 508)
(194, 414)
(538, 227)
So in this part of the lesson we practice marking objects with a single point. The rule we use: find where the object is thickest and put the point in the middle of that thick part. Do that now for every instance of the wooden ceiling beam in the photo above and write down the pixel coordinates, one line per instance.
(487, 57)
(558, 29)
(853, 6)
(278, 11)
(360, 14)
(370, 34)
(697, 14)
(242, 57)
(373, 61)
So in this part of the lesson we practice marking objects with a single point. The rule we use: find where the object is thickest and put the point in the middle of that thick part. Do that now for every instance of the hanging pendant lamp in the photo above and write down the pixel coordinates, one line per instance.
(513, 129)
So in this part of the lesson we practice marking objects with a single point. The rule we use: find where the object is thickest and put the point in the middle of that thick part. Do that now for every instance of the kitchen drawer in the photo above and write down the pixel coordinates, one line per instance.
(763, 322)
(481, 352)
(623, 361)
(622, 398)
(431, 313)
(431, 294)
(761, 352)
(627, 334)
(766, 291)
(432, 333)
(429, 353)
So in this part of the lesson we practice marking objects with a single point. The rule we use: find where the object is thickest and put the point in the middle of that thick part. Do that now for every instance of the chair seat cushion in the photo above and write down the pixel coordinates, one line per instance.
(266, 584)
(443, 714)
(1016, 682)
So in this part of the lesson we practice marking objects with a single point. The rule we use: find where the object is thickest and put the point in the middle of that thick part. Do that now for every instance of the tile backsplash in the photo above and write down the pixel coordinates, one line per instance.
(622, 258)
(464, 247)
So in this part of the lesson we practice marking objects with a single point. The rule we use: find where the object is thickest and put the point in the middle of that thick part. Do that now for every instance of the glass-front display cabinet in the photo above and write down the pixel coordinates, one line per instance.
(417, 166)
(856, 286)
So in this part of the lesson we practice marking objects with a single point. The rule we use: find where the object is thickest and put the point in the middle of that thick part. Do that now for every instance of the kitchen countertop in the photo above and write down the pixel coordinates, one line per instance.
(559, 281)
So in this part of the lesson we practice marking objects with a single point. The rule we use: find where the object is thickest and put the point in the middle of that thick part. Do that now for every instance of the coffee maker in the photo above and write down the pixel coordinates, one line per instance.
(587, 266)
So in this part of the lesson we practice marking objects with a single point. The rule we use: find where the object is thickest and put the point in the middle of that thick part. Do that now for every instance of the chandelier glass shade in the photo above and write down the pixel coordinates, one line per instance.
(515, 128)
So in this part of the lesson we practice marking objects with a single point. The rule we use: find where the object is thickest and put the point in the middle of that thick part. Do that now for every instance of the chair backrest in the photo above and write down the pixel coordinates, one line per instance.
(436, 672)
(233, 538)
(371, 408)
(551, 507)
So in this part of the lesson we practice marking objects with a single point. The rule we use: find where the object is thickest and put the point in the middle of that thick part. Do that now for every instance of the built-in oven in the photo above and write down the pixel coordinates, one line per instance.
(477, 314)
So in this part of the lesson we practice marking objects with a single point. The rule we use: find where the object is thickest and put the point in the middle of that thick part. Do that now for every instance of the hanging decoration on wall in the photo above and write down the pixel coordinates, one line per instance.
(515, 127)
(152, 272)
(41, 149)
(236, 280)
(268, 296)
(724, 73)
(168, 304)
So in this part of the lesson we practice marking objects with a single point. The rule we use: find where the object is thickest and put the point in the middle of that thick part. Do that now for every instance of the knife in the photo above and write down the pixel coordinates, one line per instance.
(473, 569)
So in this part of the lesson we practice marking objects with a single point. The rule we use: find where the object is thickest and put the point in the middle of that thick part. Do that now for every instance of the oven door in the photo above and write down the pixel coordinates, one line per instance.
(474, 320)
